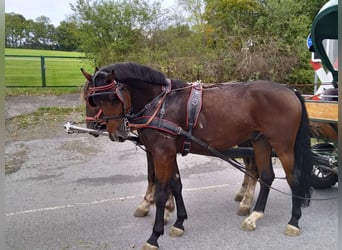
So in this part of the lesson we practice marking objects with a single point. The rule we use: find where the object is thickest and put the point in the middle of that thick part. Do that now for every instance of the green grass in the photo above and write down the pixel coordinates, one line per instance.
(40, 52)
(26, 71)
(39, 91)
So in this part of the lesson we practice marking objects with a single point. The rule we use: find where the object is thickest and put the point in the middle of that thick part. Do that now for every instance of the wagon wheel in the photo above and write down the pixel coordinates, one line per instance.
(320, 177)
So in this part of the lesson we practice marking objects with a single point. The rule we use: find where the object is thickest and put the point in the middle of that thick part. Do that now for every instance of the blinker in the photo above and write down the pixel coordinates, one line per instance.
(92, 98)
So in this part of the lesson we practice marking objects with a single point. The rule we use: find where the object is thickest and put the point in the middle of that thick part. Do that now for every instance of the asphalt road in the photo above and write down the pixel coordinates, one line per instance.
(80, 192)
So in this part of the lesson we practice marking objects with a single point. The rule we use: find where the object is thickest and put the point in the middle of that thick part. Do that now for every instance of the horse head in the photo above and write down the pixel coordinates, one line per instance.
(94, 115)
(110, 101)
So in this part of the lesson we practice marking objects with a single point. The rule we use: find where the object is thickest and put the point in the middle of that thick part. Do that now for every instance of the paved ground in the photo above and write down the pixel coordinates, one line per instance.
(80, 192)
(16, 105)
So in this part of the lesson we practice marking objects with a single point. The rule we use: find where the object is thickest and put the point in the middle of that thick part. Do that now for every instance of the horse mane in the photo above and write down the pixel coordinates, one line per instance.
(127, 72)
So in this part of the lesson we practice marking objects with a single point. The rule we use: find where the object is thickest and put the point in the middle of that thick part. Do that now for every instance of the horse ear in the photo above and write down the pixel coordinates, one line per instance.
(86, 75)
(111, 76)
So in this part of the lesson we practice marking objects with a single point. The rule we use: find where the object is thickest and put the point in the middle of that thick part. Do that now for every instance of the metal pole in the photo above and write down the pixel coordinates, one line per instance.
(42, 68)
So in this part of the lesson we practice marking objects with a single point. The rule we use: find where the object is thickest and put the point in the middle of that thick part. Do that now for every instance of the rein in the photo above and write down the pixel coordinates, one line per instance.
(161, 99)
(174, 129)
(158, 101)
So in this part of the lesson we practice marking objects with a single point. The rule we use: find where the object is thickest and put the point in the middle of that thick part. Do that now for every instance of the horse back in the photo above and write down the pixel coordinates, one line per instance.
(238, 110)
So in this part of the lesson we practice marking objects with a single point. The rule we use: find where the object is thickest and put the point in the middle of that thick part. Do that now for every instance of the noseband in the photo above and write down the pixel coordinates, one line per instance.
(97, 119)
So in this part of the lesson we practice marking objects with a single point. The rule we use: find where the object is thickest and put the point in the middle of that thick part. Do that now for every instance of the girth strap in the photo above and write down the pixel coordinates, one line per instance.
(194, 106)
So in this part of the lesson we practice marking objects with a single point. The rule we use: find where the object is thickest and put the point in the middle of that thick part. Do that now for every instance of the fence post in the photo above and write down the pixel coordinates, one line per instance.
(42, 68)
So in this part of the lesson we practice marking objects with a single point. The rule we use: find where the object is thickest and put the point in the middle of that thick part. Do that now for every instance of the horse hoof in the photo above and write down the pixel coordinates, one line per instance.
(140, 212)
(248, 225)
(291, 230)
(176, 232)
(238, 197)
(243, 211)
(148, 246)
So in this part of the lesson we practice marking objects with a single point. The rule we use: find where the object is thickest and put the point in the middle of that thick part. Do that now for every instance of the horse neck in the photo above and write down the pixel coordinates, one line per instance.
(140, 96)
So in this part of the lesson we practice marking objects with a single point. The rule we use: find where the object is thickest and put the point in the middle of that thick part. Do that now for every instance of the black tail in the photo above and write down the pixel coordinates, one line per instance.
(303, 158)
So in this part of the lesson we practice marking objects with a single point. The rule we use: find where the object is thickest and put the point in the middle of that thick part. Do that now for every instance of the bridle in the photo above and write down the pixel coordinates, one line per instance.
(111, 88)
(116, 88)
(97, 119)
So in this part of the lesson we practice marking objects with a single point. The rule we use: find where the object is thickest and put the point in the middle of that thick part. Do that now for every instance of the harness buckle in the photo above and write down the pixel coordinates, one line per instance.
(148, 106)
(126, 124)
(178, 130)
(186, 147)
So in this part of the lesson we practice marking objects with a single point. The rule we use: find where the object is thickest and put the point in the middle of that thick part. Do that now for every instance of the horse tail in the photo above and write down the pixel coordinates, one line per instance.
(303, 158)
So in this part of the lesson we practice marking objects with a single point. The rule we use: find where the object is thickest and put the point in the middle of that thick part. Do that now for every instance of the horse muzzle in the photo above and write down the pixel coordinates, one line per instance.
(118, 137)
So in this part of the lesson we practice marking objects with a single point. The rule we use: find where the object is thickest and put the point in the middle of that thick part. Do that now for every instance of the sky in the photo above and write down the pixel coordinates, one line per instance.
(56, 10)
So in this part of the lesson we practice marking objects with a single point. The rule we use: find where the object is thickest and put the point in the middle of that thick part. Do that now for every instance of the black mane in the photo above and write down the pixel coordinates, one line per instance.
(127, 72)
(134, 72)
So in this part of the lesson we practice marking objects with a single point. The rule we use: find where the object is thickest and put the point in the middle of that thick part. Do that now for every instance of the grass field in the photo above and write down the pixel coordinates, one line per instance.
(23, 68)
(39, 52)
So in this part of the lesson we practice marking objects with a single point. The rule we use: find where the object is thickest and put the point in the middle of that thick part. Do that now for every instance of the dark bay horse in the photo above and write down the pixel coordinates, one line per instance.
(136, 97)
(94, 120)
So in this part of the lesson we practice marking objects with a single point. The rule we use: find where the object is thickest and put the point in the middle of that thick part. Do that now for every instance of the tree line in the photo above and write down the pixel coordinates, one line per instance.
(40, 33)
(210, 40)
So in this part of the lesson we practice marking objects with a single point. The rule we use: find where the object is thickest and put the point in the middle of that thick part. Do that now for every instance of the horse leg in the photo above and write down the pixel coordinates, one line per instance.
(262, 150)
(240, 194)
(167, 177)
(244, 186)
(161, 196)
(246, 193)
(292, 228)
(297, 164)
(176, 187)
(248, 187)
(144, 207)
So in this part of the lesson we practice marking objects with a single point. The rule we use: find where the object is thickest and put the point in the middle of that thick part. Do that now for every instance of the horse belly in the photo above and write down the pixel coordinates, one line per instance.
(221, 131)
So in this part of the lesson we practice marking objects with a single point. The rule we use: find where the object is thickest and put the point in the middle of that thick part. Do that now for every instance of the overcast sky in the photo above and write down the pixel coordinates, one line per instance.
(56, 10)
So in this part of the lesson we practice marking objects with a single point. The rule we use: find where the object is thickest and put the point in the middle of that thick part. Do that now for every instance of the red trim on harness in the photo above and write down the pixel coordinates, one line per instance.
(96, 117)
(101, 88)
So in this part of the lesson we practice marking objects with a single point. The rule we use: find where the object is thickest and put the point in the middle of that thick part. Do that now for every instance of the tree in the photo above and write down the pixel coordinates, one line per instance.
(67, 36)
(112, 30)
(264, 38)
(42, 33)
(15, 29)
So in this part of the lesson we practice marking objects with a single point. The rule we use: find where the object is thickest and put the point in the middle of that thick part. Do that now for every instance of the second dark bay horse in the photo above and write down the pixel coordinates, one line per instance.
(136, 97)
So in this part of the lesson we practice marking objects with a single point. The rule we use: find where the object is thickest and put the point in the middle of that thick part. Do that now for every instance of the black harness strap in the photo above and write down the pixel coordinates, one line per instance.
(194, 107)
